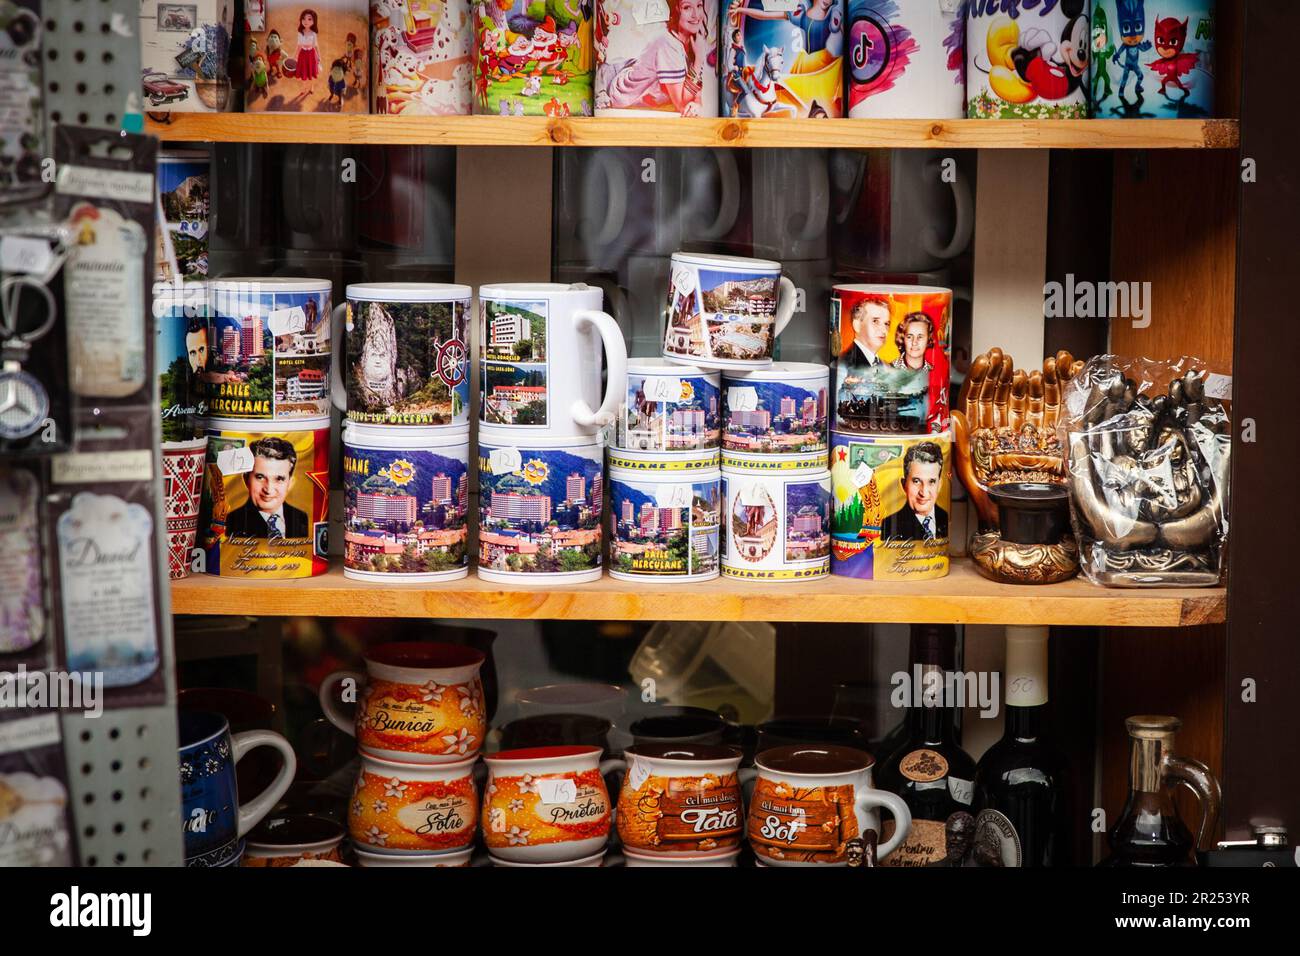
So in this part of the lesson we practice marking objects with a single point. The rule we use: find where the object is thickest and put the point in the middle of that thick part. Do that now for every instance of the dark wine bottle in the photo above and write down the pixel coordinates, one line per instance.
(1019, 794)
(930, 771)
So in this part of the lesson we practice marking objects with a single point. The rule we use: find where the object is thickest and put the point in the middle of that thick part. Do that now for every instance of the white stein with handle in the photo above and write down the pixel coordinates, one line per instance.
(540, 358)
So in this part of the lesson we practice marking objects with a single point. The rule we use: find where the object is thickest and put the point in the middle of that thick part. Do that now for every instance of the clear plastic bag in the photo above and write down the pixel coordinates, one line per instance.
(1149, 455)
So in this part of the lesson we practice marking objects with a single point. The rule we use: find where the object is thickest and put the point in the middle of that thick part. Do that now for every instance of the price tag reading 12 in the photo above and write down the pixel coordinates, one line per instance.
(663, 389)
(561, 790)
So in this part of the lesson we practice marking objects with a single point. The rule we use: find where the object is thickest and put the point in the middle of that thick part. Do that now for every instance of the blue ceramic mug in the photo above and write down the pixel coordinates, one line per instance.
(212, 819)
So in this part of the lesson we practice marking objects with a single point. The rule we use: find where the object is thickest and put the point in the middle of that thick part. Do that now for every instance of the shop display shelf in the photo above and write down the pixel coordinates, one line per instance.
(963, 597)
(635, 131)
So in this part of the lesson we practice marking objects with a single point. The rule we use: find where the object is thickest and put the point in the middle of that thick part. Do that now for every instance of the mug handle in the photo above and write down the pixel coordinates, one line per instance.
(729, 201)
(615, 369)
(251, 813)
(615, 201)
(338, 393)
(333, 710)
(962, 227)
(606, 768)
(897, 808)
(784, 305)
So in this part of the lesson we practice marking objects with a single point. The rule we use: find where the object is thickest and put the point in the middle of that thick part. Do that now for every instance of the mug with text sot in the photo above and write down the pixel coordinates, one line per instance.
(418, 702)
(681, 800)
(411, 808)
(810, 803)
(540, 348)
(407, 355)
(211, 818)
(726, 311)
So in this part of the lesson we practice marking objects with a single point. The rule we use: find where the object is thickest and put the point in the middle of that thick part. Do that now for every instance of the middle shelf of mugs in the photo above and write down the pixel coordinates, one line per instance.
(638, 131)
(962, 597)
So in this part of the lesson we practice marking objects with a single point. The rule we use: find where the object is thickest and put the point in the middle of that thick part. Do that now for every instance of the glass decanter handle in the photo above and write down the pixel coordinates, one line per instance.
(1198, 778)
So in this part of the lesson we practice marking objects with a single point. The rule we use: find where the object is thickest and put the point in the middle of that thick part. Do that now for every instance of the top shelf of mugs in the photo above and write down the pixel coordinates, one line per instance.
(403, 130)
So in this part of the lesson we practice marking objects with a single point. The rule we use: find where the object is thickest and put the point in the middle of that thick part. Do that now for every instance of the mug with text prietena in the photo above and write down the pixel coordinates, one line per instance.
(540, 350)
(418, 702)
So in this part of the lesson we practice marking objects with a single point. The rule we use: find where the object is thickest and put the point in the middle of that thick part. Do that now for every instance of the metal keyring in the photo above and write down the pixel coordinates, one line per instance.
(9, 308)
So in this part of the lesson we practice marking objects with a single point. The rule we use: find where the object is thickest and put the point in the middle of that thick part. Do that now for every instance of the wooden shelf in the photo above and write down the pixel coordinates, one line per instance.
(629, 131)
(963, 597)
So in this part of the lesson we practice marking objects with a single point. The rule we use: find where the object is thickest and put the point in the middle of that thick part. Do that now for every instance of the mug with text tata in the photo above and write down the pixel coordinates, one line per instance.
(681, 801)
(418, 702)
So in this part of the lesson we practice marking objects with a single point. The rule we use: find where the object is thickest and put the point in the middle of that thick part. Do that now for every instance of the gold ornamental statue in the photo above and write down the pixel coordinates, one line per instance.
(1012, 463)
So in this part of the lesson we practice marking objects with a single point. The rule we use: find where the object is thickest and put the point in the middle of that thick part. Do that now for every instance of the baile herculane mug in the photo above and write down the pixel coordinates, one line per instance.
(540, 348)
(418, 702)
(813, 804)
(213, 821)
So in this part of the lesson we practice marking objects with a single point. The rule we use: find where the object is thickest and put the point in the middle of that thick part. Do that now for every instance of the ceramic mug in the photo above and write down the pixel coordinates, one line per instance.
(1030, 65)
(776, 525)
(418, 702)
(669, 407)
(288, 840)
(1153, 61)
(655, 60)
(540, 345)
(782, 59)
(547, 804)
(545, 70)
(212, 819)
(681, 800)
(679, 725)
(777, 410)
(726, 311)
(665, 525)
(809, 801)
(183, 466)
(906, 60)
(410, 808)
(406, 357)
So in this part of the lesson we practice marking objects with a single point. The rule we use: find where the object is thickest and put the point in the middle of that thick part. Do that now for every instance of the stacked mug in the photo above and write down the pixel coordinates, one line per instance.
(260, 365)
(541, 464)
(420, 722)
(402, 381)
(891, 461)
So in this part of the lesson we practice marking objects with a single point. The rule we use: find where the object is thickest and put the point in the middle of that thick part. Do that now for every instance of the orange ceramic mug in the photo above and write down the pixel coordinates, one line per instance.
(418, 702)
(411, 808)
(681, 800)
(546, 804)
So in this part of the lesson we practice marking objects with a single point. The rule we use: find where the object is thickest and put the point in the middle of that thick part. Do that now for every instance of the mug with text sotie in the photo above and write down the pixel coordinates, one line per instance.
(726, 311)
(811, 801)
(212, 820)
(681, 800)
(540, 359)
(547, 804)
(418, 702)
(408, 808)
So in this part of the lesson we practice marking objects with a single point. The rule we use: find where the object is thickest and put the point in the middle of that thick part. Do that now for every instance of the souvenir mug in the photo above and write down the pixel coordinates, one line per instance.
(533, 59)
(669, 407)
(420, 57)
(665, 524)
(407, 355)
(546, 804)
(1029, 63)
(268, 349)
(777, 518)
(725, 311)
(1153, 59)
(307, 59)
(657, 59)
(418, 702)
(180, 356)
(906, 60)
(183, 189)
(212, 819)
(782, 59)
(540, 359)
(541, 503)
(889, 345)
(681, 800)
(183, 468)
(288, 840)
(184, 49)
(410, 808)
(777, 410)
(890, 502)
(809, 802)
(405, 504)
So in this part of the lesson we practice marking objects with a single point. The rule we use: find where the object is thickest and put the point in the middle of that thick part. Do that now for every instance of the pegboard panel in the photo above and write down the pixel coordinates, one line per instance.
(92, 63)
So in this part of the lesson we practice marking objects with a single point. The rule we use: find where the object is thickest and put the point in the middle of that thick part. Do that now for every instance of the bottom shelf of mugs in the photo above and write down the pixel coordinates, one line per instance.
(961, 597)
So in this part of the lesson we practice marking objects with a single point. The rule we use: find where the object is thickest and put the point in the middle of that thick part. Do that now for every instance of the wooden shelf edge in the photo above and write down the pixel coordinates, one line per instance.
(637, 131)
(961, 598)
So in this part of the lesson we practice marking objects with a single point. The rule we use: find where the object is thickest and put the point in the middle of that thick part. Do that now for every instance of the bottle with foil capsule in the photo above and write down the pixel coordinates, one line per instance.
(930, 771)
(1019, 795)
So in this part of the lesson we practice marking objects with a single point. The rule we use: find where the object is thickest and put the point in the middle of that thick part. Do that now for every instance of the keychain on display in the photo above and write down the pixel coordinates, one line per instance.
(24, 401)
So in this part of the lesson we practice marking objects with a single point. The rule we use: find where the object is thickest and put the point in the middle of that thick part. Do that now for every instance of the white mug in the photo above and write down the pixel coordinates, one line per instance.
(540, 359)
(904, 60)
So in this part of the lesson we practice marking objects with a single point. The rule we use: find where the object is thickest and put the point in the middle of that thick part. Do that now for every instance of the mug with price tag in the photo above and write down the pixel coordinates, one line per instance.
(268, 353)
(811, 802)
(776, 410)
(782, 58)
(409, 808)
(669, 407)
(540, 508)
(666, 524)
(681, 801)
(547, 804)
(776, 523)
(655, 58)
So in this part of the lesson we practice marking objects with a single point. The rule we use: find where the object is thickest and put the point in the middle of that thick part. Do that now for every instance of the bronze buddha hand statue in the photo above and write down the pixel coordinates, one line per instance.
(1011, 461)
